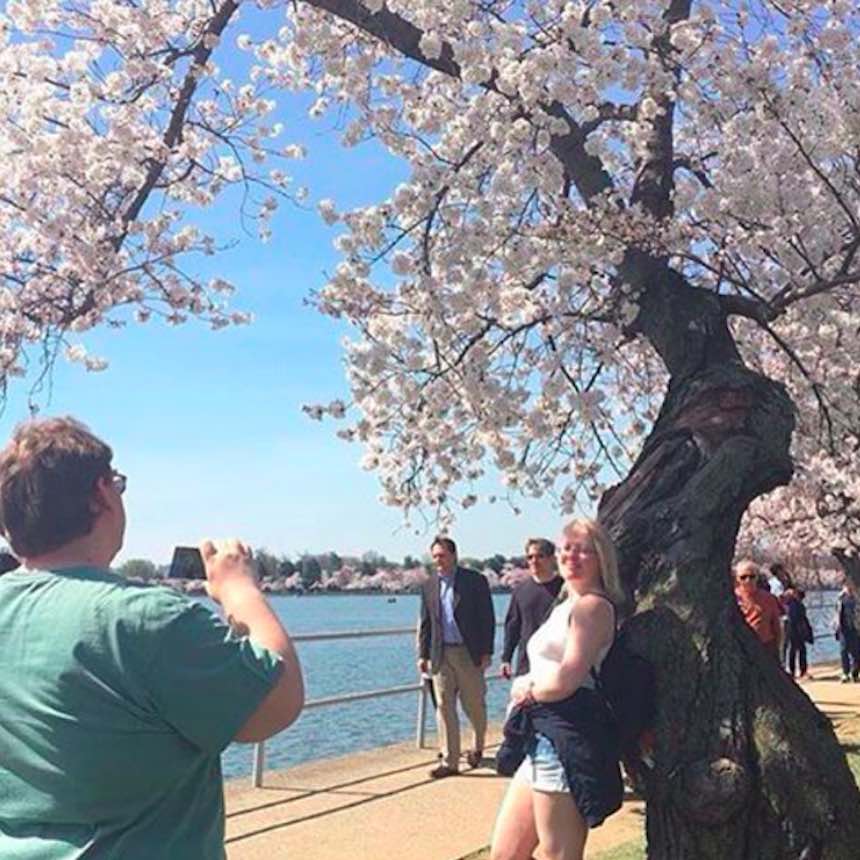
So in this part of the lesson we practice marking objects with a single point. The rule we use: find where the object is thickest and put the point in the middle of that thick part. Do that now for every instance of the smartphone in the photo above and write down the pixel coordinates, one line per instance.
(187, 563)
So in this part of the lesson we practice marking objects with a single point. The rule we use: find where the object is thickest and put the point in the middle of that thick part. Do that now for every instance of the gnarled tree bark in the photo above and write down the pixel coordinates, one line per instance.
(746, 767)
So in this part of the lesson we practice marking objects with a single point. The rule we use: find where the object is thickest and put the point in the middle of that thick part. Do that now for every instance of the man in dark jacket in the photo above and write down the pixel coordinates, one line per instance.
(455, 645)
(848, 634)
(530, 603)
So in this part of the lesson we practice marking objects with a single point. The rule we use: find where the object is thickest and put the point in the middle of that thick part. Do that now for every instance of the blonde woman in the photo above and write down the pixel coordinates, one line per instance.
(569, 778)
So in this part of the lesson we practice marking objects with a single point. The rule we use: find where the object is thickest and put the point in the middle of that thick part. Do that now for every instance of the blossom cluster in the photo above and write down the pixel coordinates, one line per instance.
(496, 327)
(116, 125)
(820, 508)
(494, 331)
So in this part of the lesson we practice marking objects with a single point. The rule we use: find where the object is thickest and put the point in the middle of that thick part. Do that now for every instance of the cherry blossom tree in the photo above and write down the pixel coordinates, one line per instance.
(512, 576)
(629, 237)
(622, 228)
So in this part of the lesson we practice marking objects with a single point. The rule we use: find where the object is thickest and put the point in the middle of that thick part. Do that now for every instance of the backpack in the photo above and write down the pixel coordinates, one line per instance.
(628, 683)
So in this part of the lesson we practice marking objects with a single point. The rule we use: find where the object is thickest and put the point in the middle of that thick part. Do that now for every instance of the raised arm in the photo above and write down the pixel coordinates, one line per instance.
(232, 583)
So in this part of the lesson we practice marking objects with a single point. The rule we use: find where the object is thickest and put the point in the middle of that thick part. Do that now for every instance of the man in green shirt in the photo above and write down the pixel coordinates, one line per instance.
(116, 699)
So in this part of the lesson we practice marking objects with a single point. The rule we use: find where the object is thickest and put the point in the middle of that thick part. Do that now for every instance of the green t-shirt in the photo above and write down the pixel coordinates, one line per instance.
(116, 700)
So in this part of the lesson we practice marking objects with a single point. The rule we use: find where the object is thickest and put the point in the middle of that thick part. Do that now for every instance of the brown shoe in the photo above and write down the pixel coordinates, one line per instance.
(442, 770)
(474, 758)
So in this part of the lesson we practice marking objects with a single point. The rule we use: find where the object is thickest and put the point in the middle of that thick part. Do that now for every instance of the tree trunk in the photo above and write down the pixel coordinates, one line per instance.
(746, 767)
(850, 564)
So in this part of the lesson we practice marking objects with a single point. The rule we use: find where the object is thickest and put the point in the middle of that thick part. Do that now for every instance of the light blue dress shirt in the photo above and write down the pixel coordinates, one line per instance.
(450, 631)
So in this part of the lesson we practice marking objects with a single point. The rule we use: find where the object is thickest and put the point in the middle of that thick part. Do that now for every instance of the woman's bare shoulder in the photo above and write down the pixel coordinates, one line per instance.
(593, 607)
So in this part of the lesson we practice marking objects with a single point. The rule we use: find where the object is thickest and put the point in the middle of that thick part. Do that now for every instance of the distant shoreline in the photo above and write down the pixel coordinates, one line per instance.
(195, 587)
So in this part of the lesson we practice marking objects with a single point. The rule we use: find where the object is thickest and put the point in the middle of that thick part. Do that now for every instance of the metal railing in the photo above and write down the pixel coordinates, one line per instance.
(421, 688)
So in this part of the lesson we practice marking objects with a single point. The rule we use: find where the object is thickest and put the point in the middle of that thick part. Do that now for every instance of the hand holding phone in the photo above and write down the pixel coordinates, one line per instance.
(229, 567)
(187, 563)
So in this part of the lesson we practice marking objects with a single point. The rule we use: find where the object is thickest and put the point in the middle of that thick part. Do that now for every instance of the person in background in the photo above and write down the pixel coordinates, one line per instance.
(569, 779)
(779, 579)
(530, 603)
(118, 698)
(846, 623)
(760, 609)
(779, 582)
(798, 631)
(456, 629)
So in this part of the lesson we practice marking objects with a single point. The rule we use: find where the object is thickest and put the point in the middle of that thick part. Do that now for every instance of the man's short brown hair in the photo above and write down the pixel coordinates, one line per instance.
(442, 540)
(47, 475)
(544, 546)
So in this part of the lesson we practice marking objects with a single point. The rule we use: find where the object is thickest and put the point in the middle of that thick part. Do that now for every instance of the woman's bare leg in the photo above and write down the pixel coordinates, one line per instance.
(515, 836)
(561, 830)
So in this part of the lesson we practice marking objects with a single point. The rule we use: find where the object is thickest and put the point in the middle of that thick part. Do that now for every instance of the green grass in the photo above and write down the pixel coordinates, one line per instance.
(628, 851)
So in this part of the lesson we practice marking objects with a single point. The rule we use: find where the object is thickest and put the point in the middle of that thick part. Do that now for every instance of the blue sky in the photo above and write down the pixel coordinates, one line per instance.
(208, 425)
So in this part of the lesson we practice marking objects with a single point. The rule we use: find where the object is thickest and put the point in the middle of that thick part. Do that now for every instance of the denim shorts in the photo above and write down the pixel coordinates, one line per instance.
(542, 768)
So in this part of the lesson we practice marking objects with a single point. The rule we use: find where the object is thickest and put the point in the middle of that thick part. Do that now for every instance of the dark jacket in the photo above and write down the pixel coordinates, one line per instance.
(798, 630)
(530, 605)
(473, 612)
(583, 733)
(846, 614)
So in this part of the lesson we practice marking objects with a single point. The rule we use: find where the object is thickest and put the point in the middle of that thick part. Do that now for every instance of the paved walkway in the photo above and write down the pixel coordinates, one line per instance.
(381, 805)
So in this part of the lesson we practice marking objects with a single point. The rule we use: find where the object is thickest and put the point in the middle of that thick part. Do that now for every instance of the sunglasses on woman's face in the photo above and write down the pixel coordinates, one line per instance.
(119, 481)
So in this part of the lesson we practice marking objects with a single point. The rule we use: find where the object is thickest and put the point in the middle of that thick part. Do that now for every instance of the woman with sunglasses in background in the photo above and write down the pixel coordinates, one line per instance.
(760, 609)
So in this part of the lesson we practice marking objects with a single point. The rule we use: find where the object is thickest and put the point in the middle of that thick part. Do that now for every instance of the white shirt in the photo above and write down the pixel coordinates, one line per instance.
(546, 647)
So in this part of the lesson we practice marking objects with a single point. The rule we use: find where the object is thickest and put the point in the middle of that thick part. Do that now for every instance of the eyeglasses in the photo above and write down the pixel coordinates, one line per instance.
(119, 481)
(746, 576)
(586, 551)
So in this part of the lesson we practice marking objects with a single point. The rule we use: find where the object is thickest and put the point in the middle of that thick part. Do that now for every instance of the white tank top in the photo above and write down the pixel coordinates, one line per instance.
(546, 646)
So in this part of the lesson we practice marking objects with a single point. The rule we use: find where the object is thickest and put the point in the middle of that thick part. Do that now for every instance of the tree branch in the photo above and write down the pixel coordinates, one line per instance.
(655, 181)
(816, 388)
(586, 171)
(743, 306)
(822, 286)
(173, 133)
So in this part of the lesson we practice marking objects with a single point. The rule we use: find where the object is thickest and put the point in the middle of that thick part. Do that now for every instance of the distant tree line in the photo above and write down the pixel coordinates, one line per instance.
(311, 569)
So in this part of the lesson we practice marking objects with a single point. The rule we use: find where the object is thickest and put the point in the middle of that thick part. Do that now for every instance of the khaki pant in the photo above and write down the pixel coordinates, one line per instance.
(459, 675)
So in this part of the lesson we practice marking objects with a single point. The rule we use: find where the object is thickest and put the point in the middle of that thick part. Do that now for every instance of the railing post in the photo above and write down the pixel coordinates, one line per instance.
(259, 763)
(422, 713)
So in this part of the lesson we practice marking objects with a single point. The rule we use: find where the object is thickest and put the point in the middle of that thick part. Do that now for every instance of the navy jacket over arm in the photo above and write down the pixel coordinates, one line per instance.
(585, 738)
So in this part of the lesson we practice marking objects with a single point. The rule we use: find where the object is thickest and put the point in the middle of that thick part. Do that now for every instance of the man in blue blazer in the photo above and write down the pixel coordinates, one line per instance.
(455, 645)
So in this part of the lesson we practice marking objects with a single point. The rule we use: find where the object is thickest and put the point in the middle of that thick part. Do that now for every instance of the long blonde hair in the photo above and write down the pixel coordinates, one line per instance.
(606, 556)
